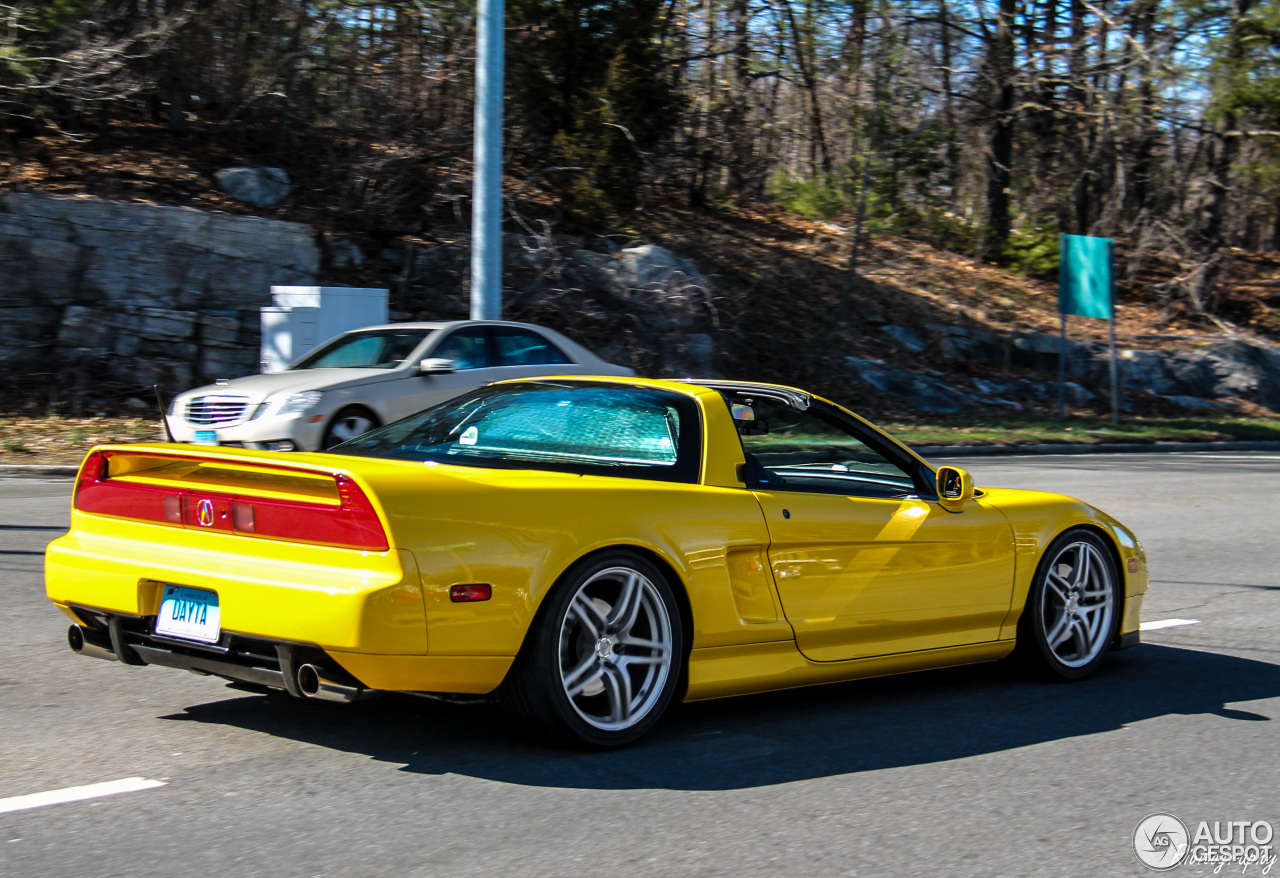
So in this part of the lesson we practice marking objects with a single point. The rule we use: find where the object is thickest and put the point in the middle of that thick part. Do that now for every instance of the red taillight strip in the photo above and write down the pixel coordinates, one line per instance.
(352, 524)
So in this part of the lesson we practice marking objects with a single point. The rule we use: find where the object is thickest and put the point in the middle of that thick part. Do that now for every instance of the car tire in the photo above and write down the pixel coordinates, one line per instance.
(350, 422)
(604, 658)
(1073, 608)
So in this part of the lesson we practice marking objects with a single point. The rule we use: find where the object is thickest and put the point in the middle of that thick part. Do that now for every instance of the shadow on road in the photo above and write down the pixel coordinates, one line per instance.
(781, 737)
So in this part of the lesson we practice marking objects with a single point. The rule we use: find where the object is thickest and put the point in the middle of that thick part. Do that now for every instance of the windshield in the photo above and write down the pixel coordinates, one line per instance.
(577, 427)
(369, 349)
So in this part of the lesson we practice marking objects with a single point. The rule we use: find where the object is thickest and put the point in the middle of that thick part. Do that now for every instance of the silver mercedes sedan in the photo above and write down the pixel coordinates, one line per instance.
(367, 377)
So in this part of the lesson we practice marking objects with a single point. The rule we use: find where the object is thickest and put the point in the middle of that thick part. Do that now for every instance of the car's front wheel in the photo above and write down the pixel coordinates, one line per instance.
(1073, 607)
(604, 657)
(349, 423)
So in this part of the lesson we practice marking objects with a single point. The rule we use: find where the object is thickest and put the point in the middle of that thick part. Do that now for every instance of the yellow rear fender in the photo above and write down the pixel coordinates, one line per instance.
(520, 531)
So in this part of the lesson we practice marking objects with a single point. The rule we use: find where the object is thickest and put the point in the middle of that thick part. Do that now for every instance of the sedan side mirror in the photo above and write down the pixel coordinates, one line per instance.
(436, 366)
(955, 488)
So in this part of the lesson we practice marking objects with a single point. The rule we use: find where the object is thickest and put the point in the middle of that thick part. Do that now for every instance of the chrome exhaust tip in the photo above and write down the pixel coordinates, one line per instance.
(312, 684)
(81, 646)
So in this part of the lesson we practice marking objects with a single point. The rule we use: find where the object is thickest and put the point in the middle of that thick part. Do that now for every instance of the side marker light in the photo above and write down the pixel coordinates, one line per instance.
(478, 591)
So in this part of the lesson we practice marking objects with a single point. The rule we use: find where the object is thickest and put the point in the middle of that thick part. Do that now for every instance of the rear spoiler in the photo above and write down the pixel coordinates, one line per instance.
(229, 491)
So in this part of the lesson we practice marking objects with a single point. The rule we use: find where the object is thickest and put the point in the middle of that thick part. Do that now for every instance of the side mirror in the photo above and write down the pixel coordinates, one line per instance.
(955, 488)
(436, 366)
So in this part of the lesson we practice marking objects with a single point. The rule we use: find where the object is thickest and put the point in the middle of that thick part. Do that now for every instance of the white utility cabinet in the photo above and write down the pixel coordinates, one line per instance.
(300, 318)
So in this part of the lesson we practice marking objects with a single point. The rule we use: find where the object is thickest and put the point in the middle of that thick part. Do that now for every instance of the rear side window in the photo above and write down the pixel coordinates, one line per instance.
(613, 430)
(520, 347)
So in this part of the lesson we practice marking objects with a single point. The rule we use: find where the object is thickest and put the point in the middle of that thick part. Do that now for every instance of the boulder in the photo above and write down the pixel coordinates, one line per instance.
(906, 337)
(921, 392)
(1197, 404)
(1143, 371)
(1077, 394)
(344, 253)
(261, 187)
(652, 266)
(1191, 373)
(1244, 370)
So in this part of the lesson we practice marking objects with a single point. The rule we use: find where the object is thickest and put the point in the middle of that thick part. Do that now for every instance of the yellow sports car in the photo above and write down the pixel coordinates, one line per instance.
(587, 550)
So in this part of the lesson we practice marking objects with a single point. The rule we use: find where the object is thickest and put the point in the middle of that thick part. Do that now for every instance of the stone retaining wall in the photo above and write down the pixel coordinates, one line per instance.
(155, 295)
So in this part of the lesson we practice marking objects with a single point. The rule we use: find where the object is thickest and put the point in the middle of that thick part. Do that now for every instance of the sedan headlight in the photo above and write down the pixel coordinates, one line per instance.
(300, 402)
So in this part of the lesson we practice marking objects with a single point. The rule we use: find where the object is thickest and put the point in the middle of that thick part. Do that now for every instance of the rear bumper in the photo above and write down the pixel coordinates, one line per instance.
(338, 598)
(265, 662)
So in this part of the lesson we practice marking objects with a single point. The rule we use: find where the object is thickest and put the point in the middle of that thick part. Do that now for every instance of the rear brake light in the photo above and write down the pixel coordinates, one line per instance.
(352, 523)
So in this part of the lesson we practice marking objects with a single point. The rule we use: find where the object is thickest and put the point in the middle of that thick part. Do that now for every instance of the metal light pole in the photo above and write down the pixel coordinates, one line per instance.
(486, 212)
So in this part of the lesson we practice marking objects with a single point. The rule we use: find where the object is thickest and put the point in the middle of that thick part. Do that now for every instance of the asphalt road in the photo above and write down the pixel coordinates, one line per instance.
(972, 771)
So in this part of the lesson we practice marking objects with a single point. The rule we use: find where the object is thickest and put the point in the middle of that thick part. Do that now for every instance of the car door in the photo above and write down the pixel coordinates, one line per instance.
(474, 365)
(865, 562)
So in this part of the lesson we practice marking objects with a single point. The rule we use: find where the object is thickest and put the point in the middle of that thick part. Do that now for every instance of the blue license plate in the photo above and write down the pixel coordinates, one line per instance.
(206, 437)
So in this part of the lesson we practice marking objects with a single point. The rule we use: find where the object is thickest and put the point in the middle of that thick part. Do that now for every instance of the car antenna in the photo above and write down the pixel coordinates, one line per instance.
(164, 417)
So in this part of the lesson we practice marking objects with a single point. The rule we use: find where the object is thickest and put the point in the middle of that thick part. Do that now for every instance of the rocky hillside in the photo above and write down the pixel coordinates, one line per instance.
(742, 291)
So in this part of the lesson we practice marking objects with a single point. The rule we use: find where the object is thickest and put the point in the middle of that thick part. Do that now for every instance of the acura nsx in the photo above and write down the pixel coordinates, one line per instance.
(586, 550)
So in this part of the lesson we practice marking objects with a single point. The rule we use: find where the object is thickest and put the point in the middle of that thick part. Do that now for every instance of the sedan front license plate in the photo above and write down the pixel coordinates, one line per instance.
(189, 614)
(205, 437)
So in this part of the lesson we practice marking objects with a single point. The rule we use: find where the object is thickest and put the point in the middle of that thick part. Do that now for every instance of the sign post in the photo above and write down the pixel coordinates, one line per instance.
(486, 207)
(1086, 288)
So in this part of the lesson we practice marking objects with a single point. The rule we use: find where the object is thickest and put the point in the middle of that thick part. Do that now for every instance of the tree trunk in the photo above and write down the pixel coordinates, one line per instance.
(1000, 73)
(822, 160)
(948, 105)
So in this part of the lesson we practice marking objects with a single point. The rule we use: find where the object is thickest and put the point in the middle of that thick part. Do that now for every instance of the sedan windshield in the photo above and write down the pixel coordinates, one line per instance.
(368, 349)
(579, 427)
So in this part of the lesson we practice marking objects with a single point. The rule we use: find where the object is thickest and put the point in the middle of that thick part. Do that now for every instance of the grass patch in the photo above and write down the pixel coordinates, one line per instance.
(1086, 431)
(60, 440)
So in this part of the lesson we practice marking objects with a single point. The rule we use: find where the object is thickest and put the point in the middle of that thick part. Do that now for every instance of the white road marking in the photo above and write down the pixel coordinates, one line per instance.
(78, 794)
(1166, 623)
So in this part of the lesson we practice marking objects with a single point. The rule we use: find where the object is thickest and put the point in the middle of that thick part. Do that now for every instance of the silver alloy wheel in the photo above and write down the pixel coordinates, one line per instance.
(1077, 604)
(349, 427)
(615, 650)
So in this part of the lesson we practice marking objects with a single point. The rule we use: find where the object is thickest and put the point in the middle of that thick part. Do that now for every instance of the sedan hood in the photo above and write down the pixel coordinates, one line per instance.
(259, 387)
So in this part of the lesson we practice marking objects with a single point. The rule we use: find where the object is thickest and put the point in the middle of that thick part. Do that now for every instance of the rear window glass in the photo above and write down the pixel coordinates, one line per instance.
(605, 429)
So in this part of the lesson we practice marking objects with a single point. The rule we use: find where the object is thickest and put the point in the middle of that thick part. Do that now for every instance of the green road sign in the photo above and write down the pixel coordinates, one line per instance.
(1085, 276)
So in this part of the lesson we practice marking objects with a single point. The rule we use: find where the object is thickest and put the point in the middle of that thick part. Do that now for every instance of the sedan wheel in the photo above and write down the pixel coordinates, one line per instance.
(1073, 606)
(348, 424)
(604, 659)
